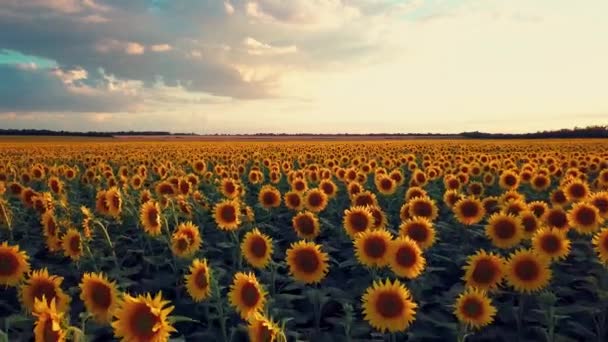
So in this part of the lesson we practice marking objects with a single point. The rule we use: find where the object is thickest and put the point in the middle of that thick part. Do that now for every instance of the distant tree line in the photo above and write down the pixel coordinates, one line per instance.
(47, 132)
(586, 132)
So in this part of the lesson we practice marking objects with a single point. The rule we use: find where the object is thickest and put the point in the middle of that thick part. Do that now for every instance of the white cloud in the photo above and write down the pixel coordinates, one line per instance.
(255, 47)
(228, 7)
(161, 47)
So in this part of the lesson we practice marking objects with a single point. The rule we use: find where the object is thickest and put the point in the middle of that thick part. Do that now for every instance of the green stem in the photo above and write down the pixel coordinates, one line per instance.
(109, 241)
(238, 263)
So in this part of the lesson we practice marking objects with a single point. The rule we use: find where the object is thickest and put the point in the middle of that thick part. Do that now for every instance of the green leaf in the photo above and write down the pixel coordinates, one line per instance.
(181, 319)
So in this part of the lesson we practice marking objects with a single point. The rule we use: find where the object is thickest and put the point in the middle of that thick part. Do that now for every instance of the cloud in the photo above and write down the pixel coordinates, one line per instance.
(43, 90)
(160, 47)
(255, 47)
(228, 8)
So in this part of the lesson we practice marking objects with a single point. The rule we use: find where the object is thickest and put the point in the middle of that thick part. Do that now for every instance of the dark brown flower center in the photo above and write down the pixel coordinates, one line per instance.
(389, 305)
(307, 261)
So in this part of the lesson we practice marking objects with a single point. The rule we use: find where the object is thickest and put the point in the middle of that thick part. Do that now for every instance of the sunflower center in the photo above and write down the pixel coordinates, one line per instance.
(423, 209)
(505, 229)
(201, 279)
(305, 225)
(540, 182)
(585, 216)
(364, 200)
(550, 244)
(294, 200)
(418, 232)
(269, 198)
(601, 204)
(75, 244)
(307, 261)
(469, 209)
(182, 243)
(228, 213)
(184, 187)
(144, 321)
(604, 243)
(510, 180)
(472, 308)
(116, 201)
(8, 264)
(264, 334)
(527, 270)
(299, 186)
(559, 197)
(359, 221)
(389, 305)
(386, 184)
(375, 247)
(577, 191)
(530, 224)
(485, 271)
(557, 219)
(44, 288)
(52, 227)
(153, 217)
(327, 188)
(101, 295)
(406, 256)
(315, 199)
(250, 294)
(258, 247)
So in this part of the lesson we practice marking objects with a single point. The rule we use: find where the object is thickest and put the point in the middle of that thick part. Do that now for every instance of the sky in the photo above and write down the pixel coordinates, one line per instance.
(303, 66)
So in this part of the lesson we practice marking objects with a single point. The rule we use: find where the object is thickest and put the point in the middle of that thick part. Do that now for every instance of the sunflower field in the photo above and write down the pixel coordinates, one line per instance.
(413, 240)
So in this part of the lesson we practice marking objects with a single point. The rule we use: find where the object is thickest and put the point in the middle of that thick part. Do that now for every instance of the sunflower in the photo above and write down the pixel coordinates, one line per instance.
(600, 201)
(423, 207)
(299, 185)
(380, 220)
(357, 219)
(100, 203)
(405, 258)
(198, 281)
(558, 197)
(55, 185)
(114, 201)
(474, 308)
(49, 225)
(306, 225)
(246, 295)
(48, 321)
(263, 329)
(364, 198)
(508, 180)
(186, 240)
(505, 230)
(450, 197)
(386, 185)
(491, 205)
(293, 200)
(556, 217)
(165, 188)
(540, 182)
(14, 265)
(257, 248)
(585, 218)
(469, 210)
(600, 244)
(71, 242)
(143, 318)
(307, 263)
(39, 284)
(372, 247)
(484, 270)
(514, 207)
(415, 191)
(269, 197)
(575, 190)
(150, 218)
(530, 223)
(315, 200)
(354, 189)
(527, 271)
(539, 208)
(99, 295)
(227, 215)
(420, 230)
(551, 243)
(388, 306)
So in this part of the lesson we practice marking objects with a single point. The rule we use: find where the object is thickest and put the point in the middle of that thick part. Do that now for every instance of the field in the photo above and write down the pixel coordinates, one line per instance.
(407, 240)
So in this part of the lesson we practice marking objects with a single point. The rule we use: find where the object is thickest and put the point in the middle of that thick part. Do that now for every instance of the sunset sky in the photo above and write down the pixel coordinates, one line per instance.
(319, 66)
